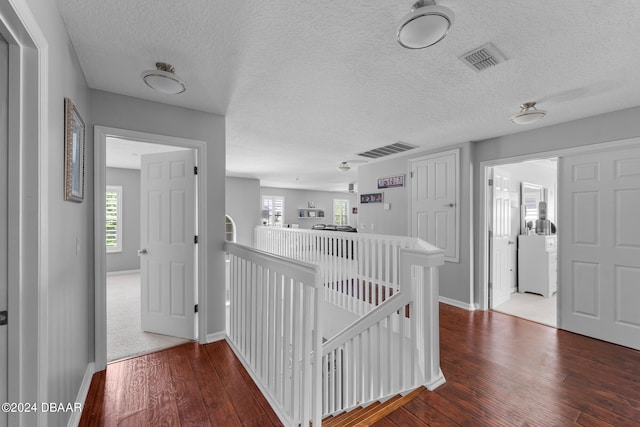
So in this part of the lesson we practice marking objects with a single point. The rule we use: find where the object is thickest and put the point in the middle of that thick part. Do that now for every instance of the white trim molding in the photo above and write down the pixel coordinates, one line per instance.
(459, 304)
(122, 272)
(100, 140)
(216, 336)
(81, 398)
(483, 256)
(28, 209)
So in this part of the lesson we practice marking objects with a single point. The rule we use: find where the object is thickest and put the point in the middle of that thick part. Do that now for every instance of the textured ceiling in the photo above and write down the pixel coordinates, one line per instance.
(307, 84)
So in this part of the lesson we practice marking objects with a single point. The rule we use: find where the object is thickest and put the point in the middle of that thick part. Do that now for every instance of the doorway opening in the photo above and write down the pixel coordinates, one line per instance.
(126, 336)
(171, 212)
(522, 261)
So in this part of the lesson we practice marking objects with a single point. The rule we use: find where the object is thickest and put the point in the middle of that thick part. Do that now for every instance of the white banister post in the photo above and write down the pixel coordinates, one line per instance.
(431, 327)
(316, 404)
(424, 287)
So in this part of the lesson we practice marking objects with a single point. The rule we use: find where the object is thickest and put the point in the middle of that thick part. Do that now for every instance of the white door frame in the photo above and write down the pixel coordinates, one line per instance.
(27, 216)
(458, 186)
(483, 268)
(100, 142)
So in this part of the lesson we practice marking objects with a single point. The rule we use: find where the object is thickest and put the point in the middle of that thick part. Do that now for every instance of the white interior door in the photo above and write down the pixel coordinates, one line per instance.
(600, 245)
(167, 245)
(503, 244)
(4, 106)
(434, 201)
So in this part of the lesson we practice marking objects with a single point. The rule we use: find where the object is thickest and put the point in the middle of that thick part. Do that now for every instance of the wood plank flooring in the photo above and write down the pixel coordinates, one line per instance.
(505, 371)
(187, 385)
(500, 371)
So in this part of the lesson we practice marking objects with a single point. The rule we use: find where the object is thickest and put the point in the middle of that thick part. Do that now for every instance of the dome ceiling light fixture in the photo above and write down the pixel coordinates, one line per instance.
(425, 25)
(528, 114)
(344, 167)
(163, 79)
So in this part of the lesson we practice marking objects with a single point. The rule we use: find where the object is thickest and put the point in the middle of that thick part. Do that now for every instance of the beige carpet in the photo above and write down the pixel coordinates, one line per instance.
(532, 307)
(125, 337)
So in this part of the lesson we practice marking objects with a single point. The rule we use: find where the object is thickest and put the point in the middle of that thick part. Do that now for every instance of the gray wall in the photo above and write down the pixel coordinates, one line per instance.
(124, 112)
(608, 127)
(129, 180)
(64, 294)
(296, 199)
(242, 202)
(455, 278)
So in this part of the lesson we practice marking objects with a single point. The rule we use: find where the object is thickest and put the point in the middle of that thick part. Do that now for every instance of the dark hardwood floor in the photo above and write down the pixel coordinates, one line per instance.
(187, 385)
(500, 371)
(505, 371)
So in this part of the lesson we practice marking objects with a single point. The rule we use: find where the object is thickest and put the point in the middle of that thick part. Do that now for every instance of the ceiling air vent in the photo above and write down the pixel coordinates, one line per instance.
(484, 57)
(387, 150)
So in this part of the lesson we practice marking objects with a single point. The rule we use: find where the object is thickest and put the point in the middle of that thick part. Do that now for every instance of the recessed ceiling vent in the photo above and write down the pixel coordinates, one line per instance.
(388, 150)
(484, 57)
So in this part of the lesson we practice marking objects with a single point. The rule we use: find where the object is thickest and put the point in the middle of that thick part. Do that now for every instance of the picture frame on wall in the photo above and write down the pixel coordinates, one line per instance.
(391, 182)
(74, 145)
(372, 198)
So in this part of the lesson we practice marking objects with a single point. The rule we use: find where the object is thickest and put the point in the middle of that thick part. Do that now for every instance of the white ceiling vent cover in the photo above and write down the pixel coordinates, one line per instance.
(484, 57)
(388, 150)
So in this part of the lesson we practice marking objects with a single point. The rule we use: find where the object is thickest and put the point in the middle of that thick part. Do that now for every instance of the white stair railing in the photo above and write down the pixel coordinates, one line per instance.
(275, 329)
(360, 270)
(391, 283)
(393, 348)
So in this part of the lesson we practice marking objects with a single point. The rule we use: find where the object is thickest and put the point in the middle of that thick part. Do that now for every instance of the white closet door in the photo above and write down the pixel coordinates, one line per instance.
(434, 201)
(599, 233)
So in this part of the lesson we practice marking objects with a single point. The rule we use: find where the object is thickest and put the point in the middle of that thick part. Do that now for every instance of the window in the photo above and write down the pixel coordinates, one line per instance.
(340, 212)
(273, 210)
(230, 229)
(114, 218)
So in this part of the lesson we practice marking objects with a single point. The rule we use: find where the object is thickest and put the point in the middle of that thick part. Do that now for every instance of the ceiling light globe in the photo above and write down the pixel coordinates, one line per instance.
(163, 79)
(344, 167)
(425, 26)
(528, 114)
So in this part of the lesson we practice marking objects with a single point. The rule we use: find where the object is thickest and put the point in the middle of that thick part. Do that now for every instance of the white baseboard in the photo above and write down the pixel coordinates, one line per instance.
(216, 336)
(74, 420)
(459, 304)
(122, 273)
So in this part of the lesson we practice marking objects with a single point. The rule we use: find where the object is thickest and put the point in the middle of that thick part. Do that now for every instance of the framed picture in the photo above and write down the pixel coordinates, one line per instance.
(372, 198)
(73, 153)
(391, 182)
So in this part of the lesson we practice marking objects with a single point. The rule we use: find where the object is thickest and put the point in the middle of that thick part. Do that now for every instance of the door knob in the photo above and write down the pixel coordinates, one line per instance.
(450, 205)
(511, 243)
(142, 252)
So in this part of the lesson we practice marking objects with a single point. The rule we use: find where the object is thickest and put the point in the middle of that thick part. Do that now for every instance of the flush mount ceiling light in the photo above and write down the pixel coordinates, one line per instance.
(163, 79)
(528, 114)
(425, 25)
(344, 166)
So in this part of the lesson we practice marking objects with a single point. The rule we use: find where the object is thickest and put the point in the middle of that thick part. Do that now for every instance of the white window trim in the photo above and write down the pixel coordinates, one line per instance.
(346, 211)
(118, 190)
(271, 219)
